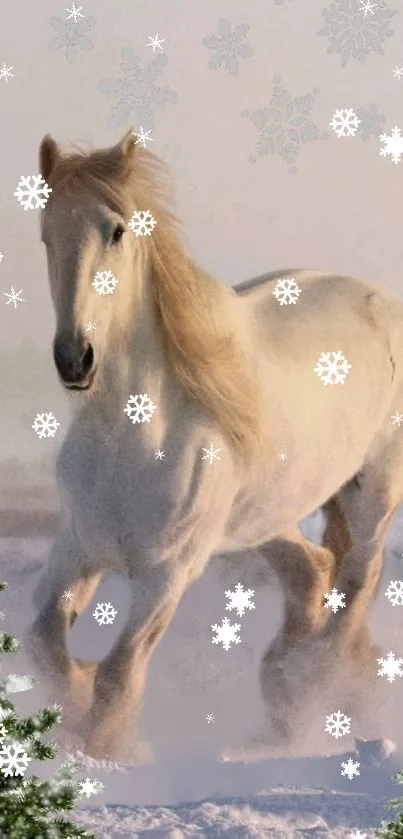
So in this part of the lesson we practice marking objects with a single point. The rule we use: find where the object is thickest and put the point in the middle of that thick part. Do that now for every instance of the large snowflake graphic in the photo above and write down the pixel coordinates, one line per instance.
(371, 121)
(390, 667)
(332, 371)
(136, 91)
(334, 600)
(139, 408)
(104, 613)
(240, 599)
(32, 188)
(338, 724)
(394, 592)
(344, 122)
(13, 759)
(285, 124)
(45, 425)
(350, 768)
(393, 145)
(227, 46)
(286, 291)
(226, 634)
(142, 223)
(71, 37)
(105, 282)
(352, 34)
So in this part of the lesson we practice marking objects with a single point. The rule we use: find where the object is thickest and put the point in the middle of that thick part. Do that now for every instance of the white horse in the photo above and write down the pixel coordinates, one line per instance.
(228, 368)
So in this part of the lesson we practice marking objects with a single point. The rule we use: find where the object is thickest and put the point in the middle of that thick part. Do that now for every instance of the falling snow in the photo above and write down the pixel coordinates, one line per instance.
(105, 282)
(345, 122)
(28, 192)
(338, 724)
(350, 768)
(211, 454)
(45, 425)
(155, 42)
(143, 137)
(240, 599)
(14, 297)
(142, 223)
(226, 634)
(397, 419)
(390, 667)
(104, 613)
(334, 600)
(394, 592)
(286, 291)
(139, 408)
(5, 73)
(332, 371)
(393, 145)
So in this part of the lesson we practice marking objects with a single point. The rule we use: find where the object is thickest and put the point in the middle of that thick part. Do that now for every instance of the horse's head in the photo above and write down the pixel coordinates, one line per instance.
(87, 240)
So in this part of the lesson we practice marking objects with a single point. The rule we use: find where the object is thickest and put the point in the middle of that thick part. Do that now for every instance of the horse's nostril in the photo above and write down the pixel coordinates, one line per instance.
(87, 359)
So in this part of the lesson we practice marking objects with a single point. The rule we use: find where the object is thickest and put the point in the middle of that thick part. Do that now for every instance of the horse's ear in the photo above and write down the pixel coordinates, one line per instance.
(126, 148)
(48, 156)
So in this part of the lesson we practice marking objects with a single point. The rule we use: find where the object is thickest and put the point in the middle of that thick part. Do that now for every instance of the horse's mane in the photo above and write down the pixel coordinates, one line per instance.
(195, 312)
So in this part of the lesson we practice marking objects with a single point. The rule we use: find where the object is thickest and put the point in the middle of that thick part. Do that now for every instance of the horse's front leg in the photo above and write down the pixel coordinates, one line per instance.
(119, 683)
(63, 592)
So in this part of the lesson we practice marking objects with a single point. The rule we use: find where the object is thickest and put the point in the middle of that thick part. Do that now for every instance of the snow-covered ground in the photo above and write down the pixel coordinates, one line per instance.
(276, 795)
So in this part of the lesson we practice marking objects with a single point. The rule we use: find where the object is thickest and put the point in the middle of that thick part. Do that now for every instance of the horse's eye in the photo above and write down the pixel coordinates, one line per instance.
(117, 234)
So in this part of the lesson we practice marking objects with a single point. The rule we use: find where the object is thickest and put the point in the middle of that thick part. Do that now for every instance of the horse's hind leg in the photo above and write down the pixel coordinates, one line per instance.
(68, 573)
(305, 571)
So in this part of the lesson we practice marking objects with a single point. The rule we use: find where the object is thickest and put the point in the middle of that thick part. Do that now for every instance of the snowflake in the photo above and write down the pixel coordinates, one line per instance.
(337, 724)
(139, 408)
(45, 425)
(142, 223)
(284, 124)
(239, 599)
(159, 454)
(14, 297)
(393, 145)
(210, 718)
(211, 453)
(226, 634)
(105, 282)
(332, 372)
(398, 72)
(90, 787)
(397, 419)
(350, 768)
(155, 42)
(91, 326)
(283, 456)
(228, 47)
(143, 137)
(67, 595)
(1, 257)
(345, 122)
(3, 732)
(13, 757)
(71, 34)
(74, 12)
(286, 291)
(136, 91)
(390, 667)
(334, 600)
(38, 191)
(104, 613)
(353, 35)
(5, 73)
(356, 834)
(371, 122)
(368, 7)
(394, 592)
